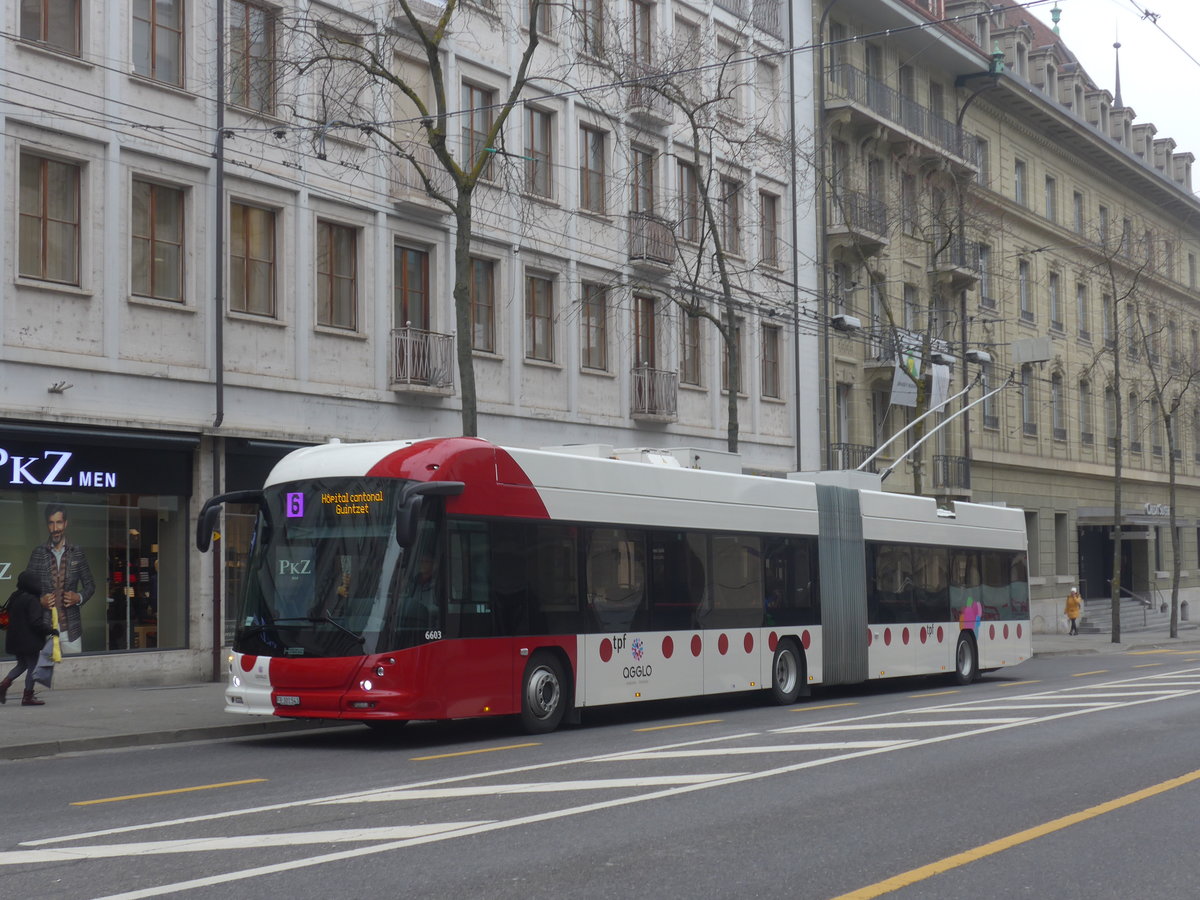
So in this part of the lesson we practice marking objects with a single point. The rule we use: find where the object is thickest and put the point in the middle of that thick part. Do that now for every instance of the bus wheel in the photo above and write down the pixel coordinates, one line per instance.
(786, 673)
(966, 661)
(543, 695)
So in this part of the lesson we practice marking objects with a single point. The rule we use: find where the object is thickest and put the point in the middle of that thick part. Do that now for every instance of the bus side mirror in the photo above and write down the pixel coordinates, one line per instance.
(212, 509)
(412, 499)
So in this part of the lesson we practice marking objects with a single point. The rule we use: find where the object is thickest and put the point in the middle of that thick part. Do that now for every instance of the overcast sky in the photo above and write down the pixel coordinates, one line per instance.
(1158, 78)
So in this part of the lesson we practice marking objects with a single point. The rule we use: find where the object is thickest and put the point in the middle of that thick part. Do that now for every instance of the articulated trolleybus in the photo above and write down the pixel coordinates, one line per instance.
(449, 578)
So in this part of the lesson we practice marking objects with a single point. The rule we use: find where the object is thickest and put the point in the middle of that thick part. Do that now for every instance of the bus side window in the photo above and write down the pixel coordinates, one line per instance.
(737, 595)
(616, 579)
(678, 579)
(554, 580)
(469, 610)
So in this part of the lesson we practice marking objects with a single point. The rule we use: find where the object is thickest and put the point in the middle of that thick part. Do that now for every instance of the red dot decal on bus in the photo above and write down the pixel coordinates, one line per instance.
(941, 634)
(806, 638)
(992, 632)
(248, 662)
(605, 650)
(748, 642)
(904, 636)
(772, 642)
(668, 647)
(1006, 632)
(924, 635)
(1018, 631)
(870, 637)
(887, 637)
(696, 645)
(723, 644)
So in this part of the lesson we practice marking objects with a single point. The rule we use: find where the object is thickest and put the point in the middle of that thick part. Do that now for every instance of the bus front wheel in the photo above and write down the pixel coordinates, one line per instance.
(787, 673)
(543, 694)
(966, 660)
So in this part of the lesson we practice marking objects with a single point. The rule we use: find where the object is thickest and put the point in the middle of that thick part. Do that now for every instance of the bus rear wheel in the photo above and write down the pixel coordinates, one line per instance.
(966, 660)
(787, 673)
(543, 694)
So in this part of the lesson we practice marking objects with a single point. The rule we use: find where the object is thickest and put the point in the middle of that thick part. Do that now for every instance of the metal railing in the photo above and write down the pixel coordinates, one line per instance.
(406, 182)
(768, 17)
(953, 472)
(655, 392)
(422, 357)
(650, 240)
(850, 456)
(859, 212)
(849, 83)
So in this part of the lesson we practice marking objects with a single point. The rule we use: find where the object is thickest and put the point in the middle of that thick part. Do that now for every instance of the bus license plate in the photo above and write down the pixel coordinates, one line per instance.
(287, 701)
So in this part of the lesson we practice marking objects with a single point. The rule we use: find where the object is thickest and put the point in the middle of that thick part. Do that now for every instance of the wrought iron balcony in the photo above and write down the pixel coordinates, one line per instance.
(655, 394)
(863, 218)
(651, 242)
(406, 185)
(768, 17)
(952, 472)
(850, 456)
(644, 102)
(422, 359)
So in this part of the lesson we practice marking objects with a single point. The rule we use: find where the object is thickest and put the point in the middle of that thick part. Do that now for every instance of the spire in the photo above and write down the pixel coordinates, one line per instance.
(1117, 102)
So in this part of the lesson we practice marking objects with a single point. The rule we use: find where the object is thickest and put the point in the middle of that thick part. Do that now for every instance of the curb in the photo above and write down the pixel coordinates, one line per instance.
(116, 741)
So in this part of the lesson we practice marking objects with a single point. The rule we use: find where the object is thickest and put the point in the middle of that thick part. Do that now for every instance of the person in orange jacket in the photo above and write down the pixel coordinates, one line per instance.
(1073, 606)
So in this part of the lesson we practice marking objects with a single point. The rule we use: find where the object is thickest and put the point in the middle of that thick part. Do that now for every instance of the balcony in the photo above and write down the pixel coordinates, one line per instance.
(422, 361)
(957, 263)
(892, 342)
(406, 187)
(651, 243)
(655, 395)
(860, 220)
(768, 17)
(850, 456)
(852, 90)
(951, 473)
(645, 104)
(425, 12)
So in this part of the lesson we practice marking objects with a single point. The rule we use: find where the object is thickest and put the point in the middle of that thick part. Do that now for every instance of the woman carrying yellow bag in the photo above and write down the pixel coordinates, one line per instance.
(27, 636)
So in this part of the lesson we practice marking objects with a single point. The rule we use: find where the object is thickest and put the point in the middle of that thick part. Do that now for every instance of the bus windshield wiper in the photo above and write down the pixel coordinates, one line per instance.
(326, 617)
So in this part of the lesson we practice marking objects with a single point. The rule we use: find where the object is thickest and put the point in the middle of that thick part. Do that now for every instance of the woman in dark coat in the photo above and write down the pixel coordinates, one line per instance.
(26, 635)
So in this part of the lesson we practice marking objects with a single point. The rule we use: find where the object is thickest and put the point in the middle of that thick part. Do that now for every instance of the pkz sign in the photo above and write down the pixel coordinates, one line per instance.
(52, 468)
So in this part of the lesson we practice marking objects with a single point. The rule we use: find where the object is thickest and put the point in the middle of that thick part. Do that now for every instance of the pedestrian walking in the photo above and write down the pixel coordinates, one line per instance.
(1074, 604)
(26, 636)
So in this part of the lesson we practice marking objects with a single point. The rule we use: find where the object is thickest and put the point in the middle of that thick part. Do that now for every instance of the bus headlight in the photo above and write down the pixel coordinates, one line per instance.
(379, 671)
(236, 681)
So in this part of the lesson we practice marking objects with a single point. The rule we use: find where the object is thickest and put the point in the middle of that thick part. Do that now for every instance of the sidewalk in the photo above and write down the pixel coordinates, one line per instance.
(104, 718)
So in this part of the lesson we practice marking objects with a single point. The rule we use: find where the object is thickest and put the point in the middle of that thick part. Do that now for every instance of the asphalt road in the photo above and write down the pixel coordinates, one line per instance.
(1064, 777)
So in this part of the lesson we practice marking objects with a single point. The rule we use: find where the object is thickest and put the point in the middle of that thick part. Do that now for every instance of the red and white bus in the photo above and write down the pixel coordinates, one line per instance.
(449, 578)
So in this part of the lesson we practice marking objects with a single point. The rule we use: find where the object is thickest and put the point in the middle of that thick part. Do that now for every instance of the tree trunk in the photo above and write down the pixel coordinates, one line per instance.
(464, 339)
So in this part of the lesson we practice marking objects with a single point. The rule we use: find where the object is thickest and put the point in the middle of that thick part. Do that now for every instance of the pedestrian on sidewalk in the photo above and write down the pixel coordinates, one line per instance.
(26, 636)
(1073, 606)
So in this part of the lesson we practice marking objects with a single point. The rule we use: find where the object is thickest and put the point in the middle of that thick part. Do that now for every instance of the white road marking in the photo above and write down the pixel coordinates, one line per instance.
(240, 842)
(768, 748)
(928, 723)
(536, 787)
(1066, 704)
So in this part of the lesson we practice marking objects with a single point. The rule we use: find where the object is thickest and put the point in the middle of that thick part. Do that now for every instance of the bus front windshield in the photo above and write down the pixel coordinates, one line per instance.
(326, 576)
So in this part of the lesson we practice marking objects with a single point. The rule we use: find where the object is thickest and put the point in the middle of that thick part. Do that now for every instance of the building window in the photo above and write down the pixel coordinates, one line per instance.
(591, 170)
(645, 332)
(689, 203)
(983, 175)
(739, 344)
(50, 233)
(1077, 212)
(483, 305)
(1054, 290)
(52, 22)
(641, 16)
(539, 318)
(1104, 225)
(1106, 320)
(543, 22)
(770, 361)
(251, 260)
(912, 307)
(410, 288)
(591, 15)
(1191, 273)
(1024, 291)
(341, 82)
(1135, 424)
(1051, 199)
(478, 116)
(690, 369)
(337, 275)
(1110, 418)
(595, 327)
(157, 239)
(641, 194)
(1020, 186)
(1083, 311)
(990, 417)
(539, 136)
(251, 52)
(158, 40)
(768, 228)
(1086, 435)
(987, 296)
(1028, 401)
(731, 215)
(1058, 420)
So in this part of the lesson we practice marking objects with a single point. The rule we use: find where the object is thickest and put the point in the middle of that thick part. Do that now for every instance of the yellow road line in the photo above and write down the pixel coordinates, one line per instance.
(1152, 652)
(201, 787)
(1148, 666)
(1017, 683)
(1097, 672)
(473, 752)
(679, 725)
(931, 694)
(827, 706)
(912, 876)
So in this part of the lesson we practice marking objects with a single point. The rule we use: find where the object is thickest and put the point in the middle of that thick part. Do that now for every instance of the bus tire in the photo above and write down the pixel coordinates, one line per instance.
(543, 694)
(966, 660)
(787, 673)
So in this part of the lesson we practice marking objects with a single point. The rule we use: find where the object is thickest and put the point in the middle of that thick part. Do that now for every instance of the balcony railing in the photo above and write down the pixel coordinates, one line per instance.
(644, 100)
(738, 7)
(768, 17)
(655, 393)
(958, 254)
(406, 182)
(850, 456)
(650, 241)
(952, 472)
(422, 358)
(860, 213)
(849, 83)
